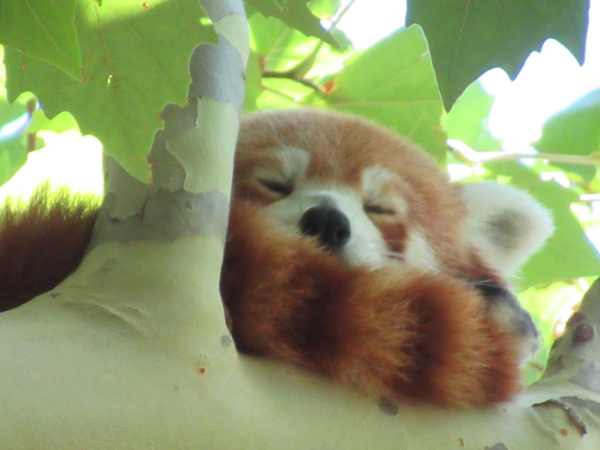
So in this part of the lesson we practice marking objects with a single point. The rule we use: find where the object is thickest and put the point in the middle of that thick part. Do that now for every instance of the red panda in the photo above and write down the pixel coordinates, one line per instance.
(349, 253)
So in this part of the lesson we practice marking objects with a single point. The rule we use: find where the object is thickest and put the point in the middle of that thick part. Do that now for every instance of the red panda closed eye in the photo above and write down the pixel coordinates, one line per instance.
(348, 253)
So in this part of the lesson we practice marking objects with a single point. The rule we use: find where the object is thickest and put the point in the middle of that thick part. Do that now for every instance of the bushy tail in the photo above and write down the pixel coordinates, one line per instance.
(42, 241)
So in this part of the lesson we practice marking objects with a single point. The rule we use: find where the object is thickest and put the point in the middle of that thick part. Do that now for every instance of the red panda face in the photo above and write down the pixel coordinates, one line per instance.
(375, 199)
(360, 190)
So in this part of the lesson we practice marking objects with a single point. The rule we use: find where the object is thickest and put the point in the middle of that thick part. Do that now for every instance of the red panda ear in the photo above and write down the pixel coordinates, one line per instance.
(506, 224)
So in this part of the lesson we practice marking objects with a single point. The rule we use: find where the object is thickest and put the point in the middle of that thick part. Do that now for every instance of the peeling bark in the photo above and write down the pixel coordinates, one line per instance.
(132, 350)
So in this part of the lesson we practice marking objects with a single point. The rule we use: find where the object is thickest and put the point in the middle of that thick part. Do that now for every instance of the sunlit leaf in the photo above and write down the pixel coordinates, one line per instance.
(545, 304)
(394, 84)
(574, 131)
(467, 38)
(282, 48)
(467, 120)
(13, 140)
(279, 47)
(324, 8)
(294, 13)
(253, 85)
(59, 124)
(42, 29)
(134, 61)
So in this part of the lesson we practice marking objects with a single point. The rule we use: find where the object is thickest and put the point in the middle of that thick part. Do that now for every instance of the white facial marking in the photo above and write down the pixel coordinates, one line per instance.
(374, 179)
(366, 245)
(294, 162)
(418, 253)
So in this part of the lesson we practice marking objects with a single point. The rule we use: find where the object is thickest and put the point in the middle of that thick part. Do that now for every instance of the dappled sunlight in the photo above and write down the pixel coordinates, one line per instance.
(68, 159)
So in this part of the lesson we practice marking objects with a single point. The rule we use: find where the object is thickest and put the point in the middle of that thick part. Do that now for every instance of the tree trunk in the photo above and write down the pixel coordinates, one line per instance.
(132, 351)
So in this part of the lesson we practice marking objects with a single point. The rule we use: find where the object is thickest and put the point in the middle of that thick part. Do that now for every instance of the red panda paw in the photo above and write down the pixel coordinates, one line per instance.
(510, 316)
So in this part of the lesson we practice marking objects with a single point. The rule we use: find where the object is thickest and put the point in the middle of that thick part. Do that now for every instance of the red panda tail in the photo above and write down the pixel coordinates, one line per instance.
(42, 241)
(393, 332)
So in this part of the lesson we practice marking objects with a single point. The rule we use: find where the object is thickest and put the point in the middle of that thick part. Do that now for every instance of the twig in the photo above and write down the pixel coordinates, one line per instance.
(589, 198)
(290, 75)
(298, 72)
(466, 154)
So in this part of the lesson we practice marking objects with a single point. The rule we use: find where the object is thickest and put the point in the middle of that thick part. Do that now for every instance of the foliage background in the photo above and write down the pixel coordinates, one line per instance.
(113, 65)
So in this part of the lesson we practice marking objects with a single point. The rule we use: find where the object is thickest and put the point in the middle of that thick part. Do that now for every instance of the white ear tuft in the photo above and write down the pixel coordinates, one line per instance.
(506, 224)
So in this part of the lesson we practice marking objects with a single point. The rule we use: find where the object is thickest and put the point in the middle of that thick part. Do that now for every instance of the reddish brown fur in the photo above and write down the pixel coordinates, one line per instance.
(42, 242)
(341, 146)
(393, 332)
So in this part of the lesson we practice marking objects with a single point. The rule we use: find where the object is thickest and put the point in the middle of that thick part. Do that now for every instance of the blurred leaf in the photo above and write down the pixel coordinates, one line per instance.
(126, 47)
(282, 48)
(574, 131)
(467, 120)
(9, 112)
(281, 93)
(324, 8)
(13, 139)
(394, 84)
(568, 253)
(13, 154)
(545, 304)
(280, 51)
(253, 85)
(467, 38)
(60, 123)
(43, 29)
(294, 13)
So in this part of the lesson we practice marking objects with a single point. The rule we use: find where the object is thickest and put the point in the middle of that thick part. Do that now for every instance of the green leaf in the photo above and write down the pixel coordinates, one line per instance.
(59, 124)
(568, 253)
(253, 87)
(467, 120)
(394, 84)
(467, 38)
(574, 131)
(134, 62)
(13, 154)
(544, 304)
(42, 29)
(13, 150)
(294, 13)
(324, 8)
(281, 48)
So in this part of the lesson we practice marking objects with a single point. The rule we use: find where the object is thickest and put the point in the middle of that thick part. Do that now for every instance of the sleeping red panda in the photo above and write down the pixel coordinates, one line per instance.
(348, 253)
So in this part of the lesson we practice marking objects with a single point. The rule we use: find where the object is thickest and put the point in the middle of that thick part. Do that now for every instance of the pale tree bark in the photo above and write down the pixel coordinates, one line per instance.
(132, 350)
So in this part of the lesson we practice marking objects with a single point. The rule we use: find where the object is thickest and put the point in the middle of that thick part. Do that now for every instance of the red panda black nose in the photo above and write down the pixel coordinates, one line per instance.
(328, 224)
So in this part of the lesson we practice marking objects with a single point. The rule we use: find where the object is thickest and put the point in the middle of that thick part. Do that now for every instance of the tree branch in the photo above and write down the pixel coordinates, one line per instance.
(466, 154)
